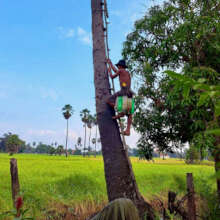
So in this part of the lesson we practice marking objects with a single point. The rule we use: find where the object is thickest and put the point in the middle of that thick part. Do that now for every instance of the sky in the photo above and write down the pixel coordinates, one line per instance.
(46, 62)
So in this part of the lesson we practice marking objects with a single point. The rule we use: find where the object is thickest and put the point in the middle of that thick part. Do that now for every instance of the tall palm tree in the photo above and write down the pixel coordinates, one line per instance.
(84, 114)
(90, 124)
(79, 142)
(96, 127)
(94, 143)
(34, 143)
(119, 173)
(67, 113)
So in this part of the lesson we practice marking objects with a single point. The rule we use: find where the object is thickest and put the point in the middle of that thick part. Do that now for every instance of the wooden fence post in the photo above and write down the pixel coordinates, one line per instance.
(171, 201)
(15, 187)
(191, 198)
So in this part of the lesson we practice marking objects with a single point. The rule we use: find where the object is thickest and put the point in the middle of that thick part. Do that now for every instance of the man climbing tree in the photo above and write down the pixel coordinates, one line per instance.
(125, 84)
(120, 180)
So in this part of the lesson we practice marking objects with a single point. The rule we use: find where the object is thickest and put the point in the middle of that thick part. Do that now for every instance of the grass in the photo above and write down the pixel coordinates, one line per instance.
(54, 182)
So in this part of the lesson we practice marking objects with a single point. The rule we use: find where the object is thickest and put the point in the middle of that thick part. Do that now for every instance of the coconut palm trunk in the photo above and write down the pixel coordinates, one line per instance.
(67, 113)
(120, 180)
(89, 147)
(67, 131)
(84, 141)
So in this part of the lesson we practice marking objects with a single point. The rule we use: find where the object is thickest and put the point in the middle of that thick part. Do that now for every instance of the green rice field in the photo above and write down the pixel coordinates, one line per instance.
(49, 180)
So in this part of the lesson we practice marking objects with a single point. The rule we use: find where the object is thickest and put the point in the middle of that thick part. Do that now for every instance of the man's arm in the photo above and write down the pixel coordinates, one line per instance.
(112, 66)
(112, 75)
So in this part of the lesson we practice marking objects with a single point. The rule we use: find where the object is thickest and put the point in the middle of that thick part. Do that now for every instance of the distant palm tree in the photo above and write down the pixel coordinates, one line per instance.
(90, 124)
(34, 144)
(84, 114)
(96, 126)
(67, 113)
(79, 142)
(60, 149)
(94, 143)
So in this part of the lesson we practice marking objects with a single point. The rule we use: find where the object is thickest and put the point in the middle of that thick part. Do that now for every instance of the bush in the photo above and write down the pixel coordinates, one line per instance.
(192, 155)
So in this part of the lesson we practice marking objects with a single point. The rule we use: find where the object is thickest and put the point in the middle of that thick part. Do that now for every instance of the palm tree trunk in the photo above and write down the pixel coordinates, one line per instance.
(95, 138)
(89, 140)
(84, 141)
(120, 180)
(66, 135)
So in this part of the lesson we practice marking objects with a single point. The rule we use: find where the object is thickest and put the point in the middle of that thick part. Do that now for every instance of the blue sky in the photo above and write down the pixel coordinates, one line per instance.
(46, 62)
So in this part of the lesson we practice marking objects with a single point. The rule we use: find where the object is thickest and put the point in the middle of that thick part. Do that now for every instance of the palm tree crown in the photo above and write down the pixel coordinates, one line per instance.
(84, 114)
(67, 111)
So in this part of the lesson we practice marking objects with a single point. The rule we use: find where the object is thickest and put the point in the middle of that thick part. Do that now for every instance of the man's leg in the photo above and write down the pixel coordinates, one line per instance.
(111, 101)
(112, 104)
(129, 122)
(119, 115)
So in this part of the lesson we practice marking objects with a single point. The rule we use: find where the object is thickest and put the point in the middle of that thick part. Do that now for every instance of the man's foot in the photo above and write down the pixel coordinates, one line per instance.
(118, 116)
(126, 133)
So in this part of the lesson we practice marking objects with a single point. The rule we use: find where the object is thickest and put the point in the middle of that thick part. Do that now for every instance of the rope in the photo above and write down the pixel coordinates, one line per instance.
(106, 16)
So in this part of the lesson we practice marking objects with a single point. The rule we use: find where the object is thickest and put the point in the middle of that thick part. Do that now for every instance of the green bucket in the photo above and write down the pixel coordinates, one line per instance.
(125, 104)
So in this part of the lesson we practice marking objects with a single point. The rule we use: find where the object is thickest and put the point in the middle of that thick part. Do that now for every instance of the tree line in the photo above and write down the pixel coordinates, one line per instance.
(12, 143)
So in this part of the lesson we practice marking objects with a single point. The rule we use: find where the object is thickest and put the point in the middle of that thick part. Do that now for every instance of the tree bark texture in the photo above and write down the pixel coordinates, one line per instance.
(15, 187)
(191, 197)
(120, 180)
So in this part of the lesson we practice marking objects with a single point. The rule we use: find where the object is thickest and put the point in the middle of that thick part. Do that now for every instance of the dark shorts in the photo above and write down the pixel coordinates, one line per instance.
(125, 91)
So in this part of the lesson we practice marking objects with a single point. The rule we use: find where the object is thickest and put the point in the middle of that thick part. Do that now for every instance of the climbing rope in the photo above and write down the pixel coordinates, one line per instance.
(105, 28)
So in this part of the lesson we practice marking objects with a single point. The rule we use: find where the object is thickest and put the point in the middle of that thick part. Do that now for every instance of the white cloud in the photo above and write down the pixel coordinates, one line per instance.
(81, 31)
(65, 32)
(48, 94)
(84, 36)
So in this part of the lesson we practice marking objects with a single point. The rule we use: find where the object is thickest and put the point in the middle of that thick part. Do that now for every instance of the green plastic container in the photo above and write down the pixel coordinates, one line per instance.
(125, 104)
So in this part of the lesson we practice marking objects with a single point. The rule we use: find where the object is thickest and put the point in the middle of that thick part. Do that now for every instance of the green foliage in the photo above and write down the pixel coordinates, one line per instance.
(13, 214)
(84, 114)
(91, 120)
(60, 149)
(192, 155)
(175, 33)
(13, 143)
(18, 213)
(180, 35)
(52, 150)
(206, 94)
